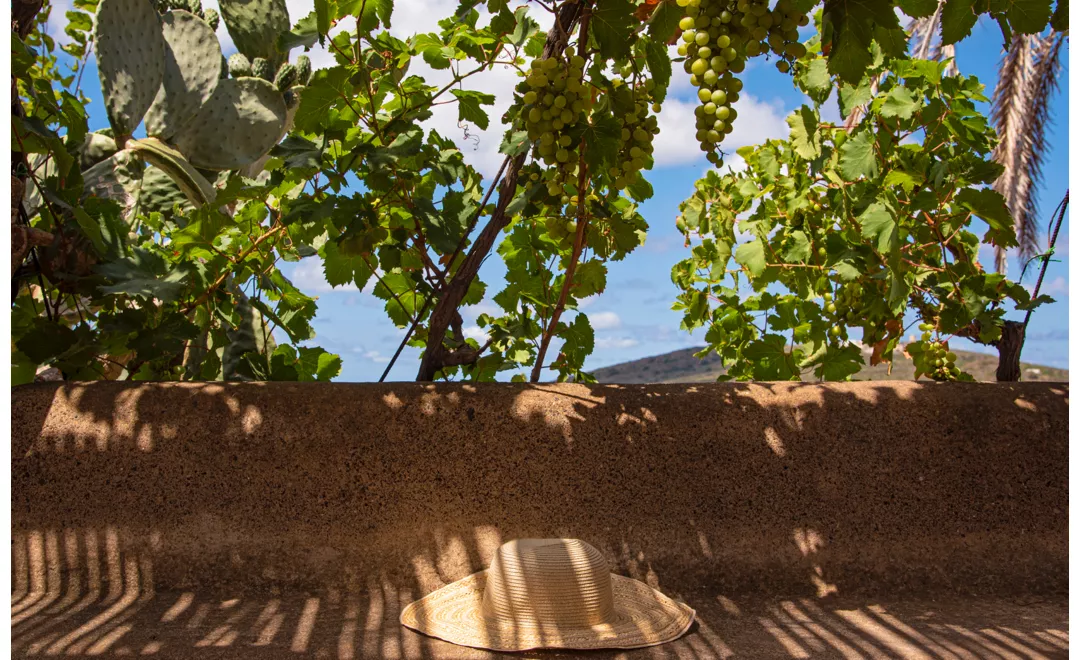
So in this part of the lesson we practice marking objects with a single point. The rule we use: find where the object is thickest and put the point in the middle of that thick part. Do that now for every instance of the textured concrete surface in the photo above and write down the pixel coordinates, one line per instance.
(324, 507)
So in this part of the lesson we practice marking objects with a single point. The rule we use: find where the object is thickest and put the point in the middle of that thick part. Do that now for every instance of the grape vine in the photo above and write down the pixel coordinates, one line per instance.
(153, 285)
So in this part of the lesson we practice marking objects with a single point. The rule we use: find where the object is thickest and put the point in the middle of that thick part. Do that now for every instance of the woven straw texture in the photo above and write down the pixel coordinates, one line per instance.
(548, 593)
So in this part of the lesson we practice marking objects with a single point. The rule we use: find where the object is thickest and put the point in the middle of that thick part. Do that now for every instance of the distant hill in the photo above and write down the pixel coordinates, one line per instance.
(682, 367)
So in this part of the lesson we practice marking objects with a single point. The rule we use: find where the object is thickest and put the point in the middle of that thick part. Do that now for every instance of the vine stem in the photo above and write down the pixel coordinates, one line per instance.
(1046, 260)
(220, 280)
(450, 263)
(579, 238)
(435, 353)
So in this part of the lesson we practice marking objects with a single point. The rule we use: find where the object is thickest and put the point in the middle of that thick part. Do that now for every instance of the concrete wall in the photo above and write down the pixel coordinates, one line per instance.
(780, 488)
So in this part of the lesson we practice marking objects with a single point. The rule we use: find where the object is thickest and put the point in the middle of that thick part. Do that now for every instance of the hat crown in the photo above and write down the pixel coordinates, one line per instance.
(538, 582)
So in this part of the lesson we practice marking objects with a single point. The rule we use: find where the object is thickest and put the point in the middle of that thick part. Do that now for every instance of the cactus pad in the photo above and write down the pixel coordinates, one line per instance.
(118, 178)
(172, 162)
(192, 71)
(131, 60)
(254, 26)
(239, 66)
(286, 77)
(212, 18)
(303, 69)
(261, 68)
(95, 148)
(238, 124)
(160, 193)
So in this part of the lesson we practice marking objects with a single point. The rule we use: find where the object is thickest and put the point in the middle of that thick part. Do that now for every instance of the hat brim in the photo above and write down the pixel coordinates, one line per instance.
(643, 617)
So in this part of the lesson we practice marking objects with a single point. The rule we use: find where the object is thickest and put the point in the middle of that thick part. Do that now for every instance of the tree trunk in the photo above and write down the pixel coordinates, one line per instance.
(1009, 347)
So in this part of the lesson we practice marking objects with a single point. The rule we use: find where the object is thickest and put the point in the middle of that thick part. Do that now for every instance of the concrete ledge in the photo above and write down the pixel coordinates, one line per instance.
(265, 492)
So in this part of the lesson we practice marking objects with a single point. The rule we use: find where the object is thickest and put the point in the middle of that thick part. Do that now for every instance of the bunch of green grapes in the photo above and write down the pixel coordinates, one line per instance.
(553, 102)
(637, 129)
(935, 359)
(718, 37)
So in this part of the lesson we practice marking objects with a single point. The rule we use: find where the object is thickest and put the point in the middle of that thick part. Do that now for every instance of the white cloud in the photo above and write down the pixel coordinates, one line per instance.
(588, 301)
(1057, 287)
(604, 320)
(308, 277)
(475, 332)
(616, 342)
(676, 144)
(472, 312)
(757, 121)
(377, 357)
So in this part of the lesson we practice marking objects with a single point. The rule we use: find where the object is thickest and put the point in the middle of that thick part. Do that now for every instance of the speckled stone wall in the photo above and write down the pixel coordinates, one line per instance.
(779, 488)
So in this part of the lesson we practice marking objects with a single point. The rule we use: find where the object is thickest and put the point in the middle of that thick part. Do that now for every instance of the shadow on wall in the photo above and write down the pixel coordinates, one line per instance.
(174, 518)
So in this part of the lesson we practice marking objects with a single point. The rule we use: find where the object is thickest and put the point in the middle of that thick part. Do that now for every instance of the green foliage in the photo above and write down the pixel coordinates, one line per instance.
(852, 29)
(171, 271)
(833, 231)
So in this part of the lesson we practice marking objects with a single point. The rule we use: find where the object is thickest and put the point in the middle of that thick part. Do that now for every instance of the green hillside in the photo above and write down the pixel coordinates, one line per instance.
(682, 367)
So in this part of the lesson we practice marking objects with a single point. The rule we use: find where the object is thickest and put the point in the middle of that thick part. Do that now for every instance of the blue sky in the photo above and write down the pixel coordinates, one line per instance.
(633, 317)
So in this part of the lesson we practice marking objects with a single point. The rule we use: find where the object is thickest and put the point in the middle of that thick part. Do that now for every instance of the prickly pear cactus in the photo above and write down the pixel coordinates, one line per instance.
(212, 19)
(261, 68)
(192, 70)
(238, 124)
(286, 77)
(239, 66)
(161, 194)
(130, 59)
(117, 177)
(303, 69)
(95, 148)
(196, 186)
(254, 26)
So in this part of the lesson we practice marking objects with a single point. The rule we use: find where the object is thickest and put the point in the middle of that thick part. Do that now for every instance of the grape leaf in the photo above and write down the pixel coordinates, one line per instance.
(805, 137)
(800, 248)
(322, 93)
(1060, 20)
(900, 102)
(770, 358)
(852, 96)
(858, 157)
(814, 79)
(514, 143)
(752, 255)
(664, 21)
(656, 56)
(590, 278)
(469, 102)
(879, 226)
(610, 26)
(146, 275)
(1027, 16)
(602, 137)
(341, 269)
(304, 34)
(854, 23)
(957, 19)
(989, 205)
(917, 8)
(839, 363)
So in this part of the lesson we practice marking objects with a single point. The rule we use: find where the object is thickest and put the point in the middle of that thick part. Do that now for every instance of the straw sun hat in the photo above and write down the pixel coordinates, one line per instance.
(548, 593)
